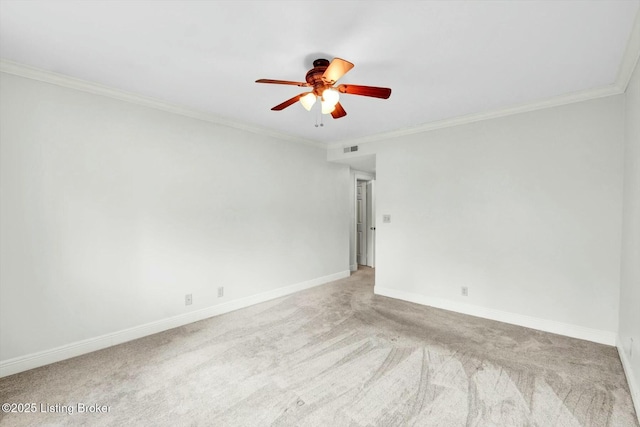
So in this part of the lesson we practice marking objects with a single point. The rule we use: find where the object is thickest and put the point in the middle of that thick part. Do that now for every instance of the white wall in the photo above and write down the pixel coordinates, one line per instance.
(524, 210)
(629, 328)
(111, 212)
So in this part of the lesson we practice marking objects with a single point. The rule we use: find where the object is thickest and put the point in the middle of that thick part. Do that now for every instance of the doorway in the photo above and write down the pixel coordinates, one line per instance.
(364, 219)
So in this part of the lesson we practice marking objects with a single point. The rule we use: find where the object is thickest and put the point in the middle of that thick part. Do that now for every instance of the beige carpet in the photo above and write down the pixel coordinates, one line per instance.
(334, 355)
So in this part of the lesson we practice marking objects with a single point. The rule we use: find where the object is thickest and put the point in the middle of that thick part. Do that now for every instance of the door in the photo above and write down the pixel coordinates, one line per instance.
(361, 223)
(371, 223)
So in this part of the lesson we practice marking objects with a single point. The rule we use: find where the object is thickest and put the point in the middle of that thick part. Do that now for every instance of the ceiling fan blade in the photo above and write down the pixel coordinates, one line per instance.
(335, 70)
(289, 102)
(282, 82)
(338, 112)
(375, 92)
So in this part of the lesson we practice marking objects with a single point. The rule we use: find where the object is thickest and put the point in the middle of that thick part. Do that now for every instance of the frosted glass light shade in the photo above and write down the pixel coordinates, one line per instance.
(327, 108)
(308, 100)
(331, 96)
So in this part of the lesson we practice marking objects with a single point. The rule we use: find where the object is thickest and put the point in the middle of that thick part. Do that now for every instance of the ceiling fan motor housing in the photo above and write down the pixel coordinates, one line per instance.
(314, 76)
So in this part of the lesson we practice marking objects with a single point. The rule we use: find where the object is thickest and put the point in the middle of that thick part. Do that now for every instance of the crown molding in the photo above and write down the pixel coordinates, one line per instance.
(34, 73)
(477, 117)
(627, 65)
(631, 56)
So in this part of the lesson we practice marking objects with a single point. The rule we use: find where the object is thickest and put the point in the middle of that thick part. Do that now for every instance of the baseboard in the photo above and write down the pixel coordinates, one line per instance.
(595, 335)
(634, 386)
(353, 267)
(34, 360)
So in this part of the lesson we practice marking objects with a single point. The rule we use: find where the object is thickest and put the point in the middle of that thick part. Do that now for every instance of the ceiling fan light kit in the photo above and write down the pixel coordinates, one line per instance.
(308, 100)
(321, 78)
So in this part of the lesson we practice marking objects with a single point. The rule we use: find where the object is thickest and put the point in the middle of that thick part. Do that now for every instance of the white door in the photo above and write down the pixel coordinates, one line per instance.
(371, 223)
(361, 223)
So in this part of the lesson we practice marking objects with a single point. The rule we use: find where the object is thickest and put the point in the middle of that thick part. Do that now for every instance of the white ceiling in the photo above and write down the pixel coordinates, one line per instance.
(442, 59)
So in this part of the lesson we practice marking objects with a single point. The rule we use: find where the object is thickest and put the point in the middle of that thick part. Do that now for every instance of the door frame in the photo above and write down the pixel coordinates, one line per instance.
(356, 176)
(370, 190)
(362, 236)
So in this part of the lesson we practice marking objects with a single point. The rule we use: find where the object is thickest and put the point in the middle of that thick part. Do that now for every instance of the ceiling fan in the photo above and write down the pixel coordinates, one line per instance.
(322, 78)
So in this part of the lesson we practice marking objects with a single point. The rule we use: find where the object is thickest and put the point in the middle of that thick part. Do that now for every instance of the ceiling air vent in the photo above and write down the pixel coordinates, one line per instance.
(351, 149)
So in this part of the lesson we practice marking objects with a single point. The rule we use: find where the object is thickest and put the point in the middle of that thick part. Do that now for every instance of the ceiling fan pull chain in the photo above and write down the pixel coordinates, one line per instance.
(319, 114)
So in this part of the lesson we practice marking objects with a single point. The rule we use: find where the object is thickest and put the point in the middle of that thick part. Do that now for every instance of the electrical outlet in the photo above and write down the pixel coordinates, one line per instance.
(465, 291)
(386, 218)
(188, 299)
(220, 291)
